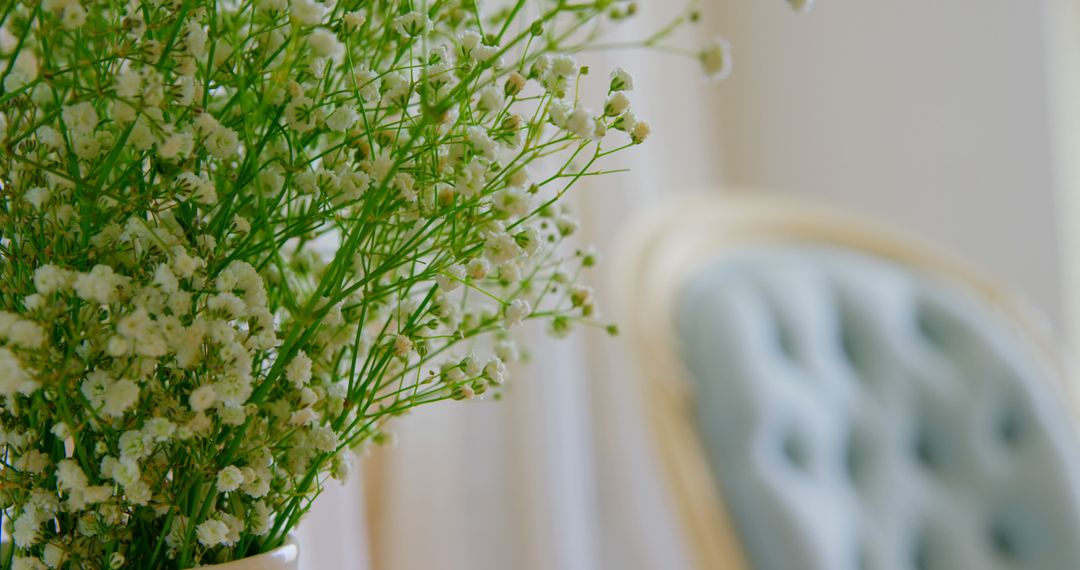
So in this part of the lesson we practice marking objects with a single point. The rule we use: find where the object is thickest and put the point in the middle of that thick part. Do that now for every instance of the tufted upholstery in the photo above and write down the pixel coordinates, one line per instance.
(859, 415)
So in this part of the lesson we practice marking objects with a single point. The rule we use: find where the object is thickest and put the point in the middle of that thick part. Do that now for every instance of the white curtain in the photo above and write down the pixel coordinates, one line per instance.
(558, 475)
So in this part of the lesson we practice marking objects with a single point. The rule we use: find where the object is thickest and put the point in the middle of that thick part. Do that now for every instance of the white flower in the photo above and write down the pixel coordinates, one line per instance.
(354, 20)
(222, 142)
(616, 104)
(716, 58)
(159, 429)
(176, 145)
(495, 371)
(123, 113)
(500, 247)
(412, 24)
(323, 439)
(87, 146)
(202, 398)
(195, 39)
(61, 431)
(120, 397)
(402, 345)
(481, 142)
(455, 274)
(100, 285)
(516, 312)
(469, 40)
(80, 117)
(49, 137)
(581, 123)
(50, 278)
(73, 16)
(53, 555)
(478, 268)
(124, 471)
(484, 53)
(300, 114)
(128, 83)
(229, 479)
(621, 80)
(564, 66)
(304, 416)
(278, 6)
(324, 43)
(132, 445)
(201, 189)
(641, 131)
(20, 332)
(26, 530)
(212, 533)
(559, 112)
(343, 118)
(298, 370)
(185, 265)
(507, 350)
(491, 99)
(307, 12)
(142, 137)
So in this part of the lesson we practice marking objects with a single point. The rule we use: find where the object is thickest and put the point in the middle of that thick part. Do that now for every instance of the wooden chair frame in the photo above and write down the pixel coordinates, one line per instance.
(666, 247)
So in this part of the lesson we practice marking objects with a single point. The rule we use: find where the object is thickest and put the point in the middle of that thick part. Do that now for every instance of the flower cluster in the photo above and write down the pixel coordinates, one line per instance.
(237, 237)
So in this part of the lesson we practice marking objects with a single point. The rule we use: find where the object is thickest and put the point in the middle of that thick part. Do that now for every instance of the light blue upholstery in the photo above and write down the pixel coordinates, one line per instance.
(861, 416)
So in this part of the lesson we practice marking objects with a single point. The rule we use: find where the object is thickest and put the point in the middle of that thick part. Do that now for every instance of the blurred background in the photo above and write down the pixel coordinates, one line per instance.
(955, 121)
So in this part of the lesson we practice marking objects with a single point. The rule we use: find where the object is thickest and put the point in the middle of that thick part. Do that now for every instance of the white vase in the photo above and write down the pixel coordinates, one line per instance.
(285, 557)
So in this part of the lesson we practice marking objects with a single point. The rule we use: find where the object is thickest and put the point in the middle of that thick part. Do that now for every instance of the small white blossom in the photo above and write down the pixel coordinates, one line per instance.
(617, 104)
(716, 58)
(621, 80)
(298, 370)
(641, 131)
(99, 285)
(402, 345)
(564, 66)
(324, 43)
(354, 20)
(342, 119)
(80, 117)
(202, 398)
(307, 12)
(50, 278)
(120, 397)
(212, 533)
(73, 17)
(581, 123)
(516, 312)
(229, 479)
(412, 24)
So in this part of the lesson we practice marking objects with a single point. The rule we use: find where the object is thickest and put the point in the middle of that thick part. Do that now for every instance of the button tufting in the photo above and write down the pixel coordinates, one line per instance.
(1006, 540)
(785, 340)
(854, 459)
(921, 558)
(1010, 427)
(796, 451)
(927, 449)
(933, 325)
(940, 381)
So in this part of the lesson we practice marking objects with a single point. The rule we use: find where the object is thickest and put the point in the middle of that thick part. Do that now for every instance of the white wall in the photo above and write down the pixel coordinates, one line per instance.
(929, 114)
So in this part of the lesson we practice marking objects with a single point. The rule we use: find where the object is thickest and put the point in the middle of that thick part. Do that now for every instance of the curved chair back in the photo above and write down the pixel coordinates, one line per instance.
(854, 400)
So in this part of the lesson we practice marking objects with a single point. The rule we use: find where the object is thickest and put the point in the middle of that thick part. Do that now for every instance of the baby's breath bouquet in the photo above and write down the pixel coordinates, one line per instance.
(237, 236)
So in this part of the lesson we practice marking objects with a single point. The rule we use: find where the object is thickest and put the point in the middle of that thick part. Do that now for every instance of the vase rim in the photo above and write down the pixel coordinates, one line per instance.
(283, 557)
